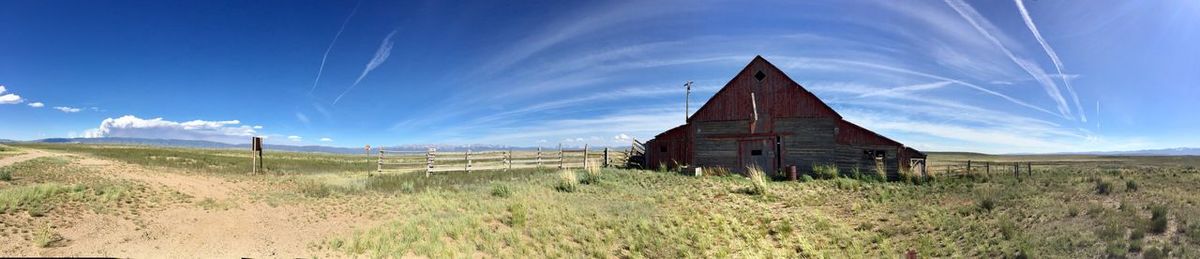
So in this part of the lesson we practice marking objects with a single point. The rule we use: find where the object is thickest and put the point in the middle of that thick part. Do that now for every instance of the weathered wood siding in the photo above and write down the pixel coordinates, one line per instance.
(806, 141)
(716, 144)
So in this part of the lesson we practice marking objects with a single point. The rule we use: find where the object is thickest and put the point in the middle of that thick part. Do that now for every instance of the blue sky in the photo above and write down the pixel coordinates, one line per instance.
(990, 76)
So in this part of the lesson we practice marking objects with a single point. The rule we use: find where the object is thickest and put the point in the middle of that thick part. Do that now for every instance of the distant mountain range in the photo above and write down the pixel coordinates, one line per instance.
(309, 148)
(1179, 151)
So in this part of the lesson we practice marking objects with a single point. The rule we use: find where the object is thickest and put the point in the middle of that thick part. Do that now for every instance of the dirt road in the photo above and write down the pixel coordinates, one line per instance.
(218, 219)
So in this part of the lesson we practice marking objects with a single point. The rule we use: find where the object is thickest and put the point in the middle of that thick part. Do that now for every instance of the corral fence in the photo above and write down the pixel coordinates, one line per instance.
(963, 168)
(433, 161)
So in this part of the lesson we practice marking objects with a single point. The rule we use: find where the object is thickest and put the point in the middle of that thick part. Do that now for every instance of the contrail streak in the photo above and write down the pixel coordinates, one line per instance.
(381, 55)
(968, 13)
(330, 48)
(1053, 56)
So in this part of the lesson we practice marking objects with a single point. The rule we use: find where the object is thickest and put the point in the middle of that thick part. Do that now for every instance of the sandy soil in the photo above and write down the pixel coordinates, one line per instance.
(238, 227)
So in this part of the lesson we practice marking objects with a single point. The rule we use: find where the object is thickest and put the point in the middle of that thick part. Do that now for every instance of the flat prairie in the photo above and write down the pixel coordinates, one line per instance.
(137, 201)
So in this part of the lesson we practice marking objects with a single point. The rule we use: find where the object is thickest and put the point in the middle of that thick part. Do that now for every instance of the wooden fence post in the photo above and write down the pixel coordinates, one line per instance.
(429, 161)
(508, 160)
(539, 157)
(561, 157)
(606, 157)
(380, 168)
(1017, 169)
(968, 166)
(585, 156)
(1029, 168)
(987, 167)
(468, 158)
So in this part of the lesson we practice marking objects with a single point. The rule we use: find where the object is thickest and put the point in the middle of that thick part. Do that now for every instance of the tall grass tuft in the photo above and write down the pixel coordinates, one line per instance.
(758, 181)
(1158, 219)
(567, 181)
(5, 174)
(501, 190)
(591, 174)
(828, 171)
(45, 236)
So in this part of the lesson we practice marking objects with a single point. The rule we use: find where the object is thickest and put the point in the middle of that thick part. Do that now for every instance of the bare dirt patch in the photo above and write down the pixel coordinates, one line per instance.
(203, 216)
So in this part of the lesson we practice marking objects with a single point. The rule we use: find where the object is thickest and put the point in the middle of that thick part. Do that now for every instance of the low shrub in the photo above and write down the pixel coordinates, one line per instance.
(987, 204)
(5, 174)
(1135, 246)
(1131, 186)
(1153, 253)
(1103, 187)
(806, 178)
(501, 191)
(1137, 234)
(567, 181)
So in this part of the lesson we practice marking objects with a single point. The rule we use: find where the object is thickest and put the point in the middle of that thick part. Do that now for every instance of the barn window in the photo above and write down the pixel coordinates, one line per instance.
(874, 154)
(662, 149)
(756, 152)
(759, 75)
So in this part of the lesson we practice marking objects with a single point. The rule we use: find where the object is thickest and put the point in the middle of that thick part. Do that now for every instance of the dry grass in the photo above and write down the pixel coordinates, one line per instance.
(1057, 212)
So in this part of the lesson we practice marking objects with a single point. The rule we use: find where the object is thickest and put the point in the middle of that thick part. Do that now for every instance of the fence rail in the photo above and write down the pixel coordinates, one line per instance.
(960, 168)
(431, 161)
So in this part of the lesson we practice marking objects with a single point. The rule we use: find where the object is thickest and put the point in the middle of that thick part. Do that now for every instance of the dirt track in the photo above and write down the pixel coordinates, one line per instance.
(239, 226)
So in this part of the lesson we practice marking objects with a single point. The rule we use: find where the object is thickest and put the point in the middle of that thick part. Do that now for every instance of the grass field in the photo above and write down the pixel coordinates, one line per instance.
(1091, 207)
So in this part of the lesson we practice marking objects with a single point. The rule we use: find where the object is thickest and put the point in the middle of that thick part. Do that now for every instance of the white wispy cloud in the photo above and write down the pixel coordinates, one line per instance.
(825, 63)
(326, 140)
(988, 30)
(295, 138)
(572, 26)
(1053, 56)
(130, 126)
(37, 104)
(381, 55)
(337, 35)
(302, 118)
(908, 89)
(67, 109)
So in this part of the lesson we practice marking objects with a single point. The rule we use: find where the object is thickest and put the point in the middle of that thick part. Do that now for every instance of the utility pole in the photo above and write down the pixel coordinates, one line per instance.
(687, 98)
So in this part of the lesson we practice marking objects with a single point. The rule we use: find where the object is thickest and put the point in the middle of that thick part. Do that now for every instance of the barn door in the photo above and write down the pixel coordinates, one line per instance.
(760, 153)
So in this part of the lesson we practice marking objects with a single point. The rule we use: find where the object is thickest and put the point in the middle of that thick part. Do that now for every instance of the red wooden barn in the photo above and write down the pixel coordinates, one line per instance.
(763, 118)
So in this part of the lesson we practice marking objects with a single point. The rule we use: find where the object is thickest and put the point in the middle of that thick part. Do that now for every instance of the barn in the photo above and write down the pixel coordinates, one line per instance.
(763, 118)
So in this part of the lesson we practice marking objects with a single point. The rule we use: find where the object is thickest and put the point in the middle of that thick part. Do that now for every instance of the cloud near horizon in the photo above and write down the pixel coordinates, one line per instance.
(229, 131)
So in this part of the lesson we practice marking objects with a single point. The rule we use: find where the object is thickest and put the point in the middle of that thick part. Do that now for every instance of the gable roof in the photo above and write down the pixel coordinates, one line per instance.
(790, 98)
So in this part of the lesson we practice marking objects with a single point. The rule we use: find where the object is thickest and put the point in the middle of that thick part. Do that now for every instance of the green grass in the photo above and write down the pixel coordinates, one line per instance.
(30, 196)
